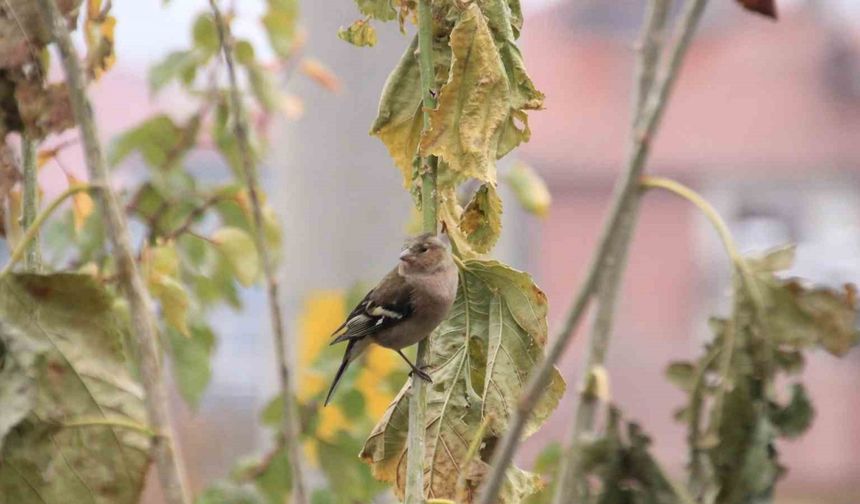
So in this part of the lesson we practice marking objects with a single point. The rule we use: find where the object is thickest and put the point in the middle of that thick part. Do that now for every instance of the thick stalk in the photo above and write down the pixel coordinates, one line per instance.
(290, 428)
(606, 294)
(414, 492)
(33, 260)
(623, 203)
(168, 461)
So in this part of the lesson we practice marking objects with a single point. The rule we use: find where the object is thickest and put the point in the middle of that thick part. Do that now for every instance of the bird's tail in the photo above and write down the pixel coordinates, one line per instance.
(353, 350)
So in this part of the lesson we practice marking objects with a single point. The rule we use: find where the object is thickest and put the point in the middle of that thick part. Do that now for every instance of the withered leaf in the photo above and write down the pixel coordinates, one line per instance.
(765, 7)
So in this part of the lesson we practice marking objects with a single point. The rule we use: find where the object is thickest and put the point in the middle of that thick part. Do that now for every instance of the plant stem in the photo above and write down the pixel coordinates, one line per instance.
(168, 461)
(615, 261)
(107, 422)
(290, 428)
(623, 203)
(33, 229)
(33, 261)
(414, 491)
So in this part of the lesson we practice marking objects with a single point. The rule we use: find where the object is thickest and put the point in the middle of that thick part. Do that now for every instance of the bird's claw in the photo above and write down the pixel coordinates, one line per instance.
(421, 374)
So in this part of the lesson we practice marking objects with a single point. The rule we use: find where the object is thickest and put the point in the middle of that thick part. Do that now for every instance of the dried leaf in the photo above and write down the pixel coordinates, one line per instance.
(81, 375)
(765, 7)
(481, 220)
(20, 361)
(472, 105)
(23, 35)
(44, 110)
(479, 359)
(360, 33)
(82, 203)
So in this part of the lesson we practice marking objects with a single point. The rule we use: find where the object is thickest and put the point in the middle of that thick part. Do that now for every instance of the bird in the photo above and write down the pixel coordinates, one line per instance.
(404, 307)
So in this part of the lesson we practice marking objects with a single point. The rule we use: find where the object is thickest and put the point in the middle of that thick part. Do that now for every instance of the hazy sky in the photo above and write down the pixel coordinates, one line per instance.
(140, 44)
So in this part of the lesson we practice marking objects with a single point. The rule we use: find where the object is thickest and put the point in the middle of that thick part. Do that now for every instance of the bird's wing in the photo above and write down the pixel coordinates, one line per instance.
(388, 304)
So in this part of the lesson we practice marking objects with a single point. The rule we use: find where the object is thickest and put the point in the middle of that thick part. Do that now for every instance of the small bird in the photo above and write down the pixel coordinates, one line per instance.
(405, 307)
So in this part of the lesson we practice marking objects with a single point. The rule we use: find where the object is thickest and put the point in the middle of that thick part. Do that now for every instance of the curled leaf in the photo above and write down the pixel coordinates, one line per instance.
(481, 220)
(472, 105)
(360, 33)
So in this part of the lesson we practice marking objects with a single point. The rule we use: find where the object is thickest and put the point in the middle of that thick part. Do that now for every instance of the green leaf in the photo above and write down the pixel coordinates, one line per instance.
(20, 360)
(263, 87)
(205, 34)
(191, 356)
(378, 9)
(622, 462)
(360, 33)
(530, 189)
(178, 65)
(682, 374)
(794, 419)
(82, 376)
(473, 105)
(155, 139)
(280, 23)
(481, 220)
(239, 250)
(275, 482)
(479, 359)
(399, 122)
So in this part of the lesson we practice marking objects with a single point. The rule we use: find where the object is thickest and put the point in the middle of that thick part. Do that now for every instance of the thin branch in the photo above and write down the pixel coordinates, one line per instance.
(623, 203)
(615, 261)
(414, 491)
(108, 422)
(33, 229)
(33, 260)
(168, 461)
(290, 428)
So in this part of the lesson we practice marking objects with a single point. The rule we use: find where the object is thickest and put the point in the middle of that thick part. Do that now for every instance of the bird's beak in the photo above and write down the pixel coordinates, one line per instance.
(405, 256)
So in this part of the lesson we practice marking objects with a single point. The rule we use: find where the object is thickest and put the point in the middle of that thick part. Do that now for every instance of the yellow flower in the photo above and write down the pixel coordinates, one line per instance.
(331, 421)
(371, 381)
(323, 312)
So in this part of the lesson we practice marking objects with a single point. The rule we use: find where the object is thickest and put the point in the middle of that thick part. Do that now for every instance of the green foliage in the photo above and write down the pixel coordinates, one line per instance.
(625, 469)
(733, 453)
(64, 421)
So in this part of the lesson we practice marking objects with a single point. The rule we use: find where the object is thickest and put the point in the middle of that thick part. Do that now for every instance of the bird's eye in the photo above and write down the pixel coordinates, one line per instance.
(422, 249)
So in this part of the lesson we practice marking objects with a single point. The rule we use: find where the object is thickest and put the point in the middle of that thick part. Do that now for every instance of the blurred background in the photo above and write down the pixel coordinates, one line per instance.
(765, 123)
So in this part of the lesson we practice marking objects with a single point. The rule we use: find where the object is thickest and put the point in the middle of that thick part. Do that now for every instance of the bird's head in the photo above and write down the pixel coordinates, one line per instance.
(423, 255)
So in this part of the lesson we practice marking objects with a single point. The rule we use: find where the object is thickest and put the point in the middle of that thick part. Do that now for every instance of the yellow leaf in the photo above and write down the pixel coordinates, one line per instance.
(321, 74)
(473, 105)
(481, 220)
(360, 33)
(82, 203)
(173, 299)
(530, 189)
(239, 250)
